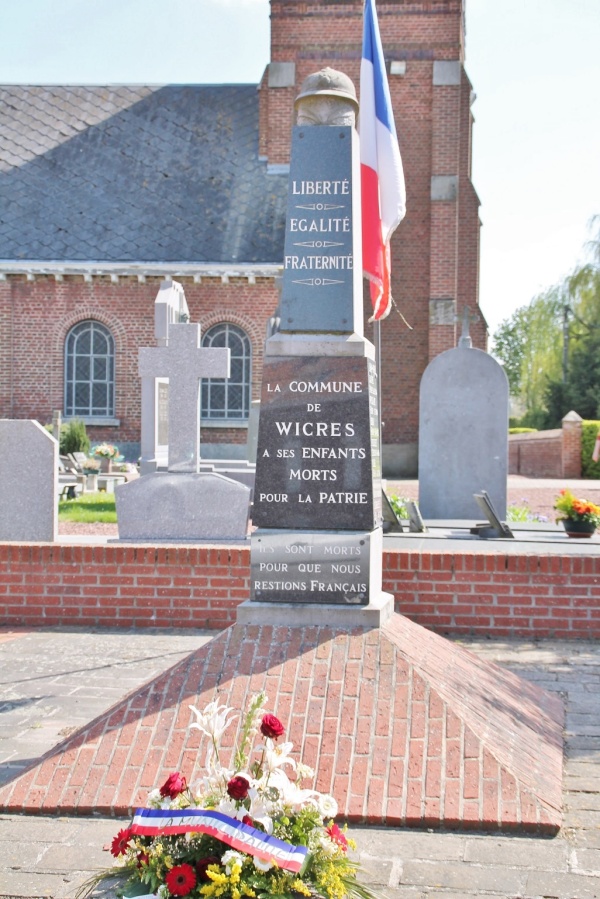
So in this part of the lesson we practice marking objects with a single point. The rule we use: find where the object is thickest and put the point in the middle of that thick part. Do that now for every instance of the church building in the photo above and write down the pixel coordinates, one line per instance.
(106, 191)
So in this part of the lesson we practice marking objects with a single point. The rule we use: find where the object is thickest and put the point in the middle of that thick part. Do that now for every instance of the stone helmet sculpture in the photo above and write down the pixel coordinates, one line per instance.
(327, 97)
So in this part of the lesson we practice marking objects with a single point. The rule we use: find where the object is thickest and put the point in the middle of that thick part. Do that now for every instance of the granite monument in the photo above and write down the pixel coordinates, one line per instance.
(463, 432)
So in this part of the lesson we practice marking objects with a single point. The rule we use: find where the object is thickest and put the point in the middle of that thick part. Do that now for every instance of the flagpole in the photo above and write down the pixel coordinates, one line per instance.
(377, 342)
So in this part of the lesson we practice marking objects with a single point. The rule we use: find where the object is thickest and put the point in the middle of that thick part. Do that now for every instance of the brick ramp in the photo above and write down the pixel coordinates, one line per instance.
(401, 725)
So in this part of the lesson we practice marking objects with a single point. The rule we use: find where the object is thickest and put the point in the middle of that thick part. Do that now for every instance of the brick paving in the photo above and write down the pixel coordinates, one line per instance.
(51, 856)
(483, 756)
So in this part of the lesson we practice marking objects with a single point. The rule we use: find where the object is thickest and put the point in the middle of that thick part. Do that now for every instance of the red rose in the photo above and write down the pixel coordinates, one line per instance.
(181, 880)
(173, 786)
(248, 820)
(338, 836)
(142, 859)
(120, 842)
(271, 726)
(203, 864)
(238, 787)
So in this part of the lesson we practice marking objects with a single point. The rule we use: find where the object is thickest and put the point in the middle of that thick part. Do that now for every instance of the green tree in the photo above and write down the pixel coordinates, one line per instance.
(551, 348)
(529, 344)
(580, 387)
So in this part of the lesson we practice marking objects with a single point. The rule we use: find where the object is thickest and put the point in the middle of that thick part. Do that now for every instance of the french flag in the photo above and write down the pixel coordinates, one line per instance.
(382, 176)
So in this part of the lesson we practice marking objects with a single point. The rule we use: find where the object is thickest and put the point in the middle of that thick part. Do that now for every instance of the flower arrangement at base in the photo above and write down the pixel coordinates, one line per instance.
(247, 829)
(572, 509)
(106, 451)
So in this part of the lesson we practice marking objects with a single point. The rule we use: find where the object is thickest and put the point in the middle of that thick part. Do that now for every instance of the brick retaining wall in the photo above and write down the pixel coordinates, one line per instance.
(548, 454)
(454, 593)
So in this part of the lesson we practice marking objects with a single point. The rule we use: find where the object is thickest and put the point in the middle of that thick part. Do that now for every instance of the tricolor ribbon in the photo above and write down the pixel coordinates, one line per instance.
(150, 822)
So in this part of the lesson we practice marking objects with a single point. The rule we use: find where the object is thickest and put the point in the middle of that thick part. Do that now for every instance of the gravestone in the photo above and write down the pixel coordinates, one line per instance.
(463, 433)
(170, 307)
(317, 496)
(28, 482)
(182, 503)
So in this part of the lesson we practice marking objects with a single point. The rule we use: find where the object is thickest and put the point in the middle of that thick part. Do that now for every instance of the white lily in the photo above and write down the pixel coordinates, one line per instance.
(292, 796)
(213, 721)
(277, 755)
(228, 807)
(259, 811)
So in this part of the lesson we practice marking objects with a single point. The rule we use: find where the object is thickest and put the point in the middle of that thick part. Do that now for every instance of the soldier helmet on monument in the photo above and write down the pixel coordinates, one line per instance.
(327, 97)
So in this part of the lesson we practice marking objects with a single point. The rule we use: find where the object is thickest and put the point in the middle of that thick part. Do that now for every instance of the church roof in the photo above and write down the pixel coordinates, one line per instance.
(136, 173)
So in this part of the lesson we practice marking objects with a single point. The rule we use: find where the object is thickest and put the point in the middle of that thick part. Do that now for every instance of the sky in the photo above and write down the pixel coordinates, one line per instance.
(534, 66)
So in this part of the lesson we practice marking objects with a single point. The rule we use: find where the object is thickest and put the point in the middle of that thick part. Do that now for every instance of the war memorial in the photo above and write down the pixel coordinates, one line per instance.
(404, 727)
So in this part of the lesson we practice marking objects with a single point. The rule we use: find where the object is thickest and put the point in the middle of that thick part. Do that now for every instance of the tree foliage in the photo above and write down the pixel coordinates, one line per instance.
(551, 348)
(529, 344)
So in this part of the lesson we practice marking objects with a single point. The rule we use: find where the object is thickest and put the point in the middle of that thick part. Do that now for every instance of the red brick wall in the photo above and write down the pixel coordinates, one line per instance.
(496, 595)
(548, 454)
(35, 317)
(435, 251)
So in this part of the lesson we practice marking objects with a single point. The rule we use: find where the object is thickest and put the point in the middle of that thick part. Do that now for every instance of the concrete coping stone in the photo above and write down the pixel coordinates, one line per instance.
(373, 615)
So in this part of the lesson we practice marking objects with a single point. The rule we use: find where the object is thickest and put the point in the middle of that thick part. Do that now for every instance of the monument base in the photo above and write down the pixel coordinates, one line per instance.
(180, 506)
(403, 727)
(376, 613)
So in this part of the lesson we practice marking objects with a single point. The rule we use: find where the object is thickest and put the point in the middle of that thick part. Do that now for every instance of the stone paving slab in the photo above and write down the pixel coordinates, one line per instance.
(563, 867)
(53, 681)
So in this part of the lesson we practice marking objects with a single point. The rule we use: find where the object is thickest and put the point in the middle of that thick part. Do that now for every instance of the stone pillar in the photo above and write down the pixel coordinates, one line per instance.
(571, 445)
(317, 496)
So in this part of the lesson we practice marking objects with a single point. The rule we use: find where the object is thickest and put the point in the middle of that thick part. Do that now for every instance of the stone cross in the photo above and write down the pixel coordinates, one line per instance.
(184, 362)
(467, 320)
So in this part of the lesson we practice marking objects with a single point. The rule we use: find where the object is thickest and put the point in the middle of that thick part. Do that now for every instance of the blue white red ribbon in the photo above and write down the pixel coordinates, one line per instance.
(151, 822)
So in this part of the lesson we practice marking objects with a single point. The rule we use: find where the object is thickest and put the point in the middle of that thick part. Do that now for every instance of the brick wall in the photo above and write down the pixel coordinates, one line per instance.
(435, 251)
(548, 454)
(35, 317)
(488, 594)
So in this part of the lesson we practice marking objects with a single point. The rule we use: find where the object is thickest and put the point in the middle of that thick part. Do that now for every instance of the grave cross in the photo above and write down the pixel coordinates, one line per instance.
(184, 362)
(467, 320)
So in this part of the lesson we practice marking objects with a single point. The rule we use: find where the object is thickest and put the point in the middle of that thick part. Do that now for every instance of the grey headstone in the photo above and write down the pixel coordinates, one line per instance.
(176, 506)
(28, 482)
(322, 277)
(312, 567)
(318, 463)
(463, 434)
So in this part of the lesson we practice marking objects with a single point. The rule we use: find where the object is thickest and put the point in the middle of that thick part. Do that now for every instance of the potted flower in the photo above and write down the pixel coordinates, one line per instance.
(91, 466)
(580, 517)
(106, 452)
(248, 828)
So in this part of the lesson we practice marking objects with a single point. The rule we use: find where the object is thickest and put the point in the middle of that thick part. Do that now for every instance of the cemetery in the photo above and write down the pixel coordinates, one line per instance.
(315, 605)
(321, 602)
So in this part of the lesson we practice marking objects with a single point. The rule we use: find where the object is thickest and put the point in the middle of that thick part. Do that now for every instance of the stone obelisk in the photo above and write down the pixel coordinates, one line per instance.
(317, 498)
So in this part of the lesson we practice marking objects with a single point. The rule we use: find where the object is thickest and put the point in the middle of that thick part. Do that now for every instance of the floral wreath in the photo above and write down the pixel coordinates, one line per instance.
(249, 830)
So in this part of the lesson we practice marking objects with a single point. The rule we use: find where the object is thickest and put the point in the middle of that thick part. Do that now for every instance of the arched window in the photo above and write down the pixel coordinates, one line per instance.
(90, 371)
(228, 399)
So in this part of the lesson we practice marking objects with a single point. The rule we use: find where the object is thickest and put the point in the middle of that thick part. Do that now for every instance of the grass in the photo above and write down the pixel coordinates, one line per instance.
(89, 508)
